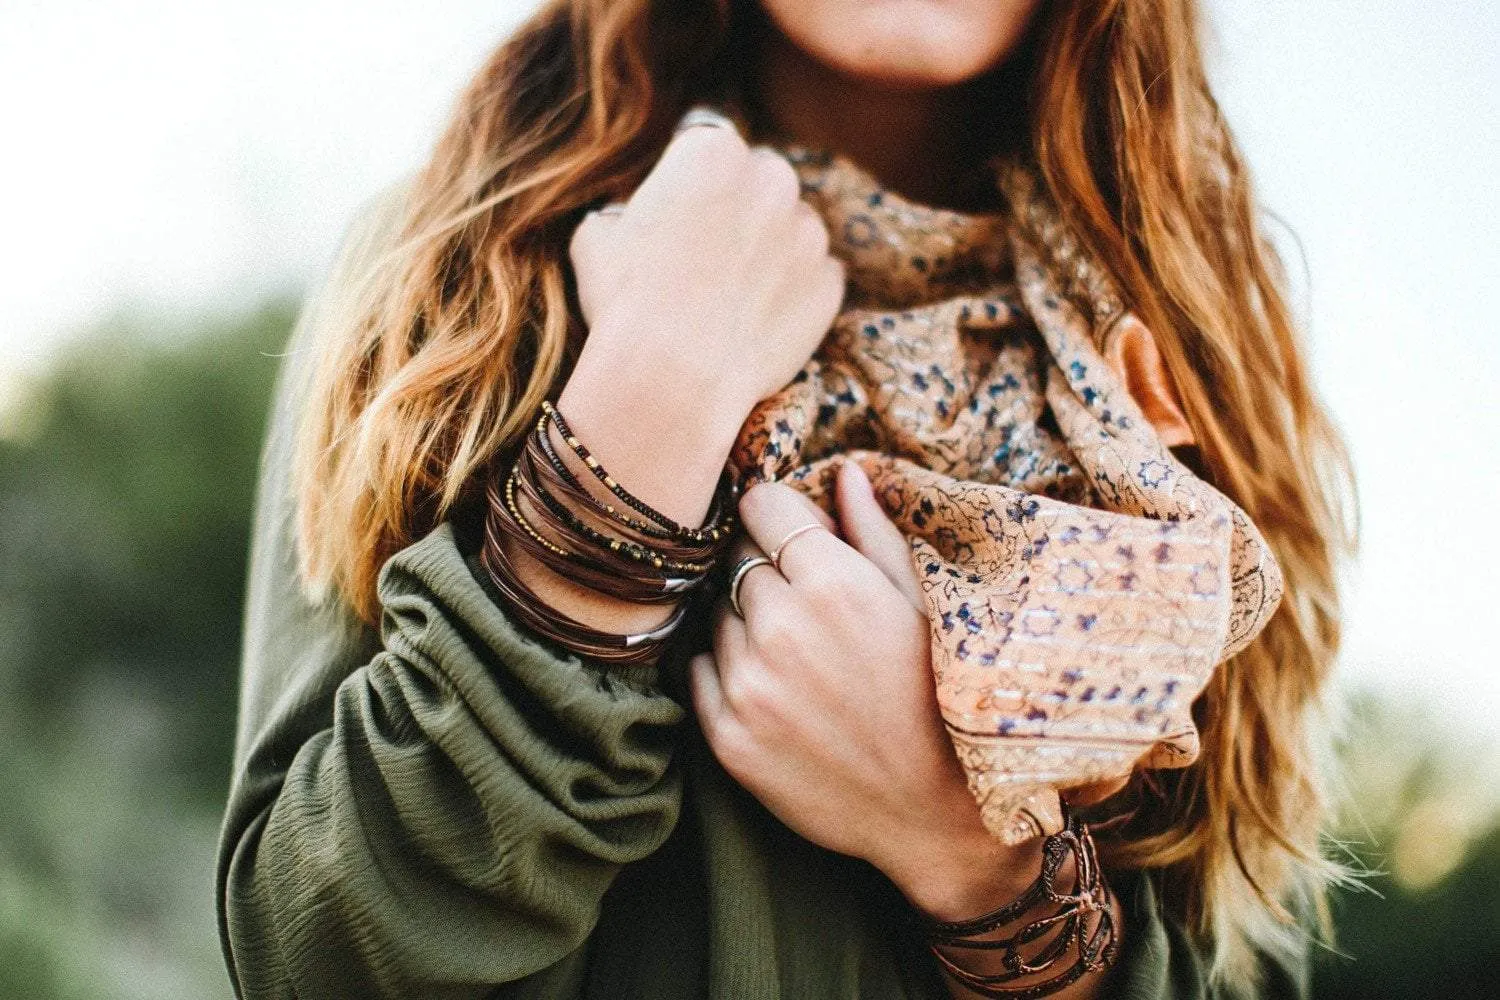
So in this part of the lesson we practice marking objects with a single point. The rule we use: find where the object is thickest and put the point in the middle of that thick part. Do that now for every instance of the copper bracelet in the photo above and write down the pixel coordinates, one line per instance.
(1048, 938)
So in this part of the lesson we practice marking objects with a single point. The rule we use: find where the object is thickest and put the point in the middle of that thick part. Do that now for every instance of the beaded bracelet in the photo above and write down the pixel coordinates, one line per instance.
(589, 541)
(569, 506)
(711, 533)
(1054, 934)
(626, 581)
(721, 515)
(620, 548)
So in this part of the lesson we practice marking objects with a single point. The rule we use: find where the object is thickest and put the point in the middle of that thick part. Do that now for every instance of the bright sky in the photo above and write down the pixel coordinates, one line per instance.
(174, 154)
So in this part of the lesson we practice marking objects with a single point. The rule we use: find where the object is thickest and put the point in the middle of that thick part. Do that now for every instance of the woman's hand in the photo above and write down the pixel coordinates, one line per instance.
(715, 272)
(705, 294)
(820, 701)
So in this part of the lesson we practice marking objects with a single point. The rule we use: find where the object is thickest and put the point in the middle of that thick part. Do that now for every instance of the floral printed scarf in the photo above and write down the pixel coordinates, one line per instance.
(1081, 583)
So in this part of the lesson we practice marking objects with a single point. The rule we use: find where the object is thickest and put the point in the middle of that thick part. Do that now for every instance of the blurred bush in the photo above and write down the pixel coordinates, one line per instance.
(125, 487)
(1422, 814)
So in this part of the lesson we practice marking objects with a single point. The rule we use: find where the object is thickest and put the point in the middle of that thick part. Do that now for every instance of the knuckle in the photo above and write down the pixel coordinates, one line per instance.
(757, 502)
(579, 242)
(774, 179)
(842, 588)
(811, 234)
(835, 278)
(732, 745)
(750, 692)
(776, 632)
(828, 588)
(712, 154)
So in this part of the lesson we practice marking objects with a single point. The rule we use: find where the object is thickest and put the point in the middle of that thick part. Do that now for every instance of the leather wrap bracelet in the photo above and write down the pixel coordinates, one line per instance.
(633, 553)
(1056, 924)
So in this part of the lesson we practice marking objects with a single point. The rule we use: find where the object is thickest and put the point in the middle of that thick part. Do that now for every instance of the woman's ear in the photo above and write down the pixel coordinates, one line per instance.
(1131, 350)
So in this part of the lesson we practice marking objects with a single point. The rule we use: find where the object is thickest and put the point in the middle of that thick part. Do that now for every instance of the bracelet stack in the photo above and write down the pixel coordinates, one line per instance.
(631, 552)
(1043, 943)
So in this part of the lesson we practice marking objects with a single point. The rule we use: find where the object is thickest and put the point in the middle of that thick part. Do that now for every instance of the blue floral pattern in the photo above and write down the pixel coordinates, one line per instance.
(1081, 582)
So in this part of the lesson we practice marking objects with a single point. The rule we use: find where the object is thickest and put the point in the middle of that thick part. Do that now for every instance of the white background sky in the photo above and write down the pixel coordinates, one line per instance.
(176, 154)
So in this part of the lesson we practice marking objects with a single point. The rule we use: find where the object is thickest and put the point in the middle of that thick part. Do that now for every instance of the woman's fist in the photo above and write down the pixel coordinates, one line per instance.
(715, 276)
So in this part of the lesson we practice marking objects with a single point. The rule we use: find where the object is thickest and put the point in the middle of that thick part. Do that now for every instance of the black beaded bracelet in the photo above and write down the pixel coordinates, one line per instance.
(721, 520)
(710, 533)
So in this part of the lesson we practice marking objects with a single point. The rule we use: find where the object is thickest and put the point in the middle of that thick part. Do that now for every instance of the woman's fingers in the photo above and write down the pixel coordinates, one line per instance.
(731, 638)
(590, 250)
(728, 736)
(773, 512)
(709, 673)
(701, 115)
(596, 226)
(759, 584)
(707, 692)
(873, 534)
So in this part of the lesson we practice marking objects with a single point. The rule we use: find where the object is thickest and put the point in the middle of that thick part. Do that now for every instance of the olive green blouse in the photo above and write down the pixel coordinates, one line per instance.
(447, 807)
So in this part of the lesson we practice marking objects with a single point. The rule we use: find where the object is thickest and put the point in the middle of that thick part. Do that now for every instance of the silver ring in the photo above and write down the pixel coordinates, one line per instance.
(741, 570)
(613, 208)
(703, 115)
(776, 552)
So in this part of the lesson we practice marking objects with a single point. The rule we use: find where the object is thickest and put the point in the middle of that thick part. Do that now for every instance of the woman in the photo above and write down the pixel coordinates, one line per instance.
(455, 777)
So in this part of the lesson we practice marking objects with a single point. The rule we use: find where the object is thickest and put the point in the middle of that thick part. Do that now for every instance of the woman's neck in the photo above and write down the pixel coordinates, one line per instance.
(926, 144)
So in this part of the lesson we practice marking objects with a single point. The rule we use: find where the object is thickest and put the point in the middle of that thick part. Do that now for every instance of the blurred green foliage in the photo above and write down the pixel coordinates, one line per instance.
(1439, 941)
(1421, 808)
(125, 488)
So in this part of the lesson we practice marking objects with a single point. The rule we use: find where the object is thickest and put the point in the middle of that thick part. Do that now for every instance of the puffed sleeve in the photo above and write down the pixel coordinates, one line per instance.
(428, 809)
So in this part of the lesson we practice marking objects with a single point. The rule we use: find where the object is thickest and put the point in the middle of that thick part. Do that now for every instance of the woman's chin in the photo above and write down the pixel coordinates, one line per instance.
(908, 44)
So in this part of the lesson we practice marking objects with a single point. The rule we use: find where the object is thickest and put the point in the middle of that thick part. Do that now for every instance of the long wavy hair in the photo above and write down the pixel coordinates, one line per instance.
(468, 321)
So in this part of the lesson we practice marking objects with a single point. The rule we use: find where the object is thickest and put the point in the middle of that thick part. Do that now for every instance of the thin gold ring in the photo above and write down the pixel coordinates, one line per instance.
(776, 552)
(741, 570)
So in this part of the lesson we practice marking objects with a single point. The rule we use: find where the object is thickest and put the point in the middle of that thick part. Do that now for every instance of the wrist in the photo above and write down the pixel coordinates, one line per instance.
(964, 871)
(631, 357)
(683, 398)
(661, 436)
(1055, 939)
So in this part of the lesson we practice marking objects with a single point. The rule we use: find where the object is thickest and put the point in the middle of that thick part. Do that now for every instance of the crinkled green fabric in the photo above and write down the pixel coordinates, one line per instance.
(449, 808)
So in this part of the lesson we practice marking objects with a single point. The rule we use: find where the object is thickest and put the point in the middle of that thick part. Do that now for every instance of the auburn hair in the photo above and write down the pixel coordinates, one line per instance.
(466, 322)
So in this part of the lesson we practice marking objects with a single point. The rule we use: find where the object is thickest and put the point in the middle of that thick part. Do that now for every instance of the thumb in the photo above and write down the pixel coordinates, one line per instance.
(872, 534)
(590, 252)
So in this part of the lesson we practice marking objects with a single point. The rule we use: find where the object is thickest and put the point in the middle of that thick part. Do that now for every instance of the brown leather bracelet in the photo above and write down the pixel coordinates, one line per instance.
(651, 561)
(595, 567)
(542, 619)
(1049, 937)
